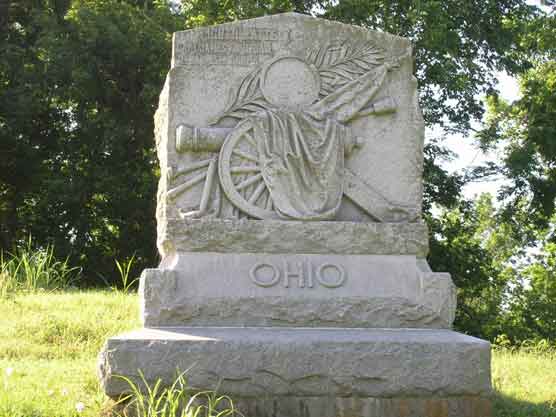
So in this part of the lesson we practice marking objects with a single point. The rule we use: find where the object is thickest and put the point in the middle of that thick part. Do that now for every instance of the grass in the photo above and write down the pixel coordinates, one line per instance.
(525, 380)
(177, 400)
(30, 269)
(50, 341)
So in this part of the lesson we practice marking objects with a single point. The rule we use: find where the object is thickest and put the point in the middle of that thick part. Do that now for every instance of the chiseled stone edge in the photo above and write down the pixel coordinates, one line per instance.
(163, 305)
(460, 406)
(258, 361)
(289, 17)
(365, 312)
(275, 236)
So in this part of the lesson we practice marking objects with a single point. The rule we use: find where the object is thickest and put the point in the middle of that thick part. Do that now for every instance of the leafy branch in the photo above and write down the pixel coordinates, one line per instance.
(341, 63)
(247, 99)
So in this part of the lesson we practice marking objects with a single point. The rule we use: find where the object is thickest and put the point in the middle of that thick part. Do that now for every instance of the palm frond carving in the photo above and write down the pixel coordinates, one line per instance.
(343, 62)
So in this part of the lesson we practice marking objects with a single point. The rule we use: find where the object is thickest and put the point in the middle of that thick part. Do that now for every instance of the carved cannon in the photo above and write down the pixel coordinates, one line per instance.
(238, 164)
(239, 171)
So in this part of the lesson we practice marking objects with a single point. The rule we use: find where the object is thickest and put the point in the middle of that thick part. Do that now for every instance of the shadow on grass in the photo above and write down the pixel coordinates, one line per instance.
(505, 406)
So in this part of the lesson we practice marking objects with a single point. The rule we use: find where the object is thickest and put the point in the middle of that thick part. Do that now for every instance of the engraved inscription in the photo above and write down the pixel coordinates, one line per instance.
(335, 279)
(259, 277)
(298, 275)
(238, 46)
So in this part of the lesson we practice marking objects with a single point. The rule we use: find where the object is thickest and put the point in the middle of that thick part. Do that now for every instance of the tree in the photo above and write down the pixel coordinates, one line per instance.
(80, 81)
(524, 132)
(212, 12)
(526, 128)
(477, 247)
(531, 309)
(79, 169)
(30, 124)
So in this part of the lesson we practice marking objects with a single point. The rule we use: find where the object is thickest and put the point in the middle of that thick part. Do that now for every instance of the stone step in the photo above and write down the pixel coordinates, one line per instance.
(363, 369)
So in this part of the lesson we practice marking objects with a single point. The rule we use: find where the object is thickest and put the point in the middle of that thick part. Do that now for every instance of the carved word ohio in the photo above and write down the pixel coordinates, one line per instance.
(298, 274)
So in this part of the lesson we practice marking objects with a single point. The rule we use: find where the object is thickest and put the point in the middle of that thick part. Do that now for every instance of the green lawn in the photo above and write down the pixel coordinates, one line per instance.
(49, 343)
(525, 383)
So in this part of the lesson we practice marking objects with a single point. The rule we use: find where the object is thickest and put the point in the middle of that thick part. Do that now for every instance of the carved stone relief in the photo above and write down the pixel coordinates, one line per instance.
(278, 151)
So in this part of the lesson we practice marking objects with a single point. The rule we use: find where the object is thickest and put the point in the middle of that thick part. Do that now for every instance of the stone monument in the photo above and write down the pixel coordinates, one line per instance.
(293, 273)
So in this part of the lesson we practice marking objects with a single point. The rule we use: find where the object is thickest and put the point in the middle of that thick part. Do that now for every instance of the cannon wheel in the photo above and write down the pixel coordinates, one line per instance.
(240, 174)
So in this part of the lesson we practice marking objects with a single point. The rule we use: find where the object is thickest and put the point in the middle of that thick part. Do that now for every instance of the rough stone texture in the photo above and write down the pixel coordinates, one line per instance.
(271, 236)
(301, 362)
(297, 290)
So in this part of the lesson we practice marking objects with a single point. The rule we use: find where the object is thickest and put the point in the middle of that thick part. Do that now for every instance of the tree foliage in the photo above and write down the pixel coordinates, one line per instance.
(79, 82)
(473, 244)
(531, 311)
(211, 12)
(526, 128)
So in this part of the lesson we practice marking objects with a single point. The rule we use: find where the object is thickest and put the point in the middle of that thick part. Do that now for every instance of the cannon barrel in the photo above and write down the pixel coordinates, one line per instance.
(210, 139)
(200, 139)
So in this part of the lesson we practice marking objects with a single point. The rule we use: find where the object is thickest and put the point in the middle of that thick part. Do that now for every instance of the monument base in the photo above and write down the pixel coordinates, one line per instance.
(313, 372)
(463, 406)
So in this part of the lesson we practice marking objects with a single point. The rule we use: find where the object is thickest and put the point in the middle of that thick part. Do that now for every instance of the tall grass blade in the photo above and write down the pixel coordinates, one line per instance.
(175, 400)
(30, 269)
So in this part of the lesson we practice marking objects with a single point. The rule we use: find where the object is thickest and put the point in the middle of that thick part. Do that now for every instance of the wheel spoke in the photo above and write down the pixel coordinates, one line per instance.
(250, 139)
(207, 189)
(180, 189)
(249, 181)
(245, 169)
(193, 167)
(245, 155)
(268, 205)
(257, 193)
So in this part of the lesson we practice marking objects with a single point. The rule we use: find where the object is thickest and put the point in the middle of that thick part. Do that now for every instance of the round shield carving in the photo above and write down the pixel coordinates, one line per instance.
(290, 83)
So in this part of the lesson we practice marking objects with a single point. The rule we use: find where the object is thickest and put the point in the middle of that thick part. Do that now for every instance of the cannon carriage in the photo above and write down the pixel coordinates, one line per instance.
(294, 167)
(238, 171)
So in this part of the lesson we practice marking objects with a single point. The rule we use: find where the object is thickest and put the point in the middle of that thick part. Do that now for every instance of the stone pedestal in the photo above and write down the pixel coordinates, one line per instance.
(313, 274)
(306, 334)
(293, 273)
(317, 372)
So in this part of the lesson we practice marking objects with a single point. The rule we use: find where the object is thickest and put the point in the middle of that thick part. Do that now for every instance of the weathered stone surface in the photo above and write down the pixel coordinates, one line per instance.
(253, 289)
(349, 95)
(272, 236)
(301, 362)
